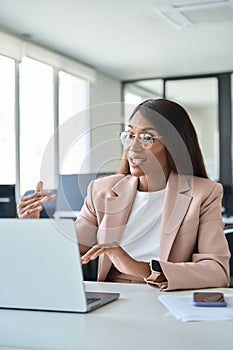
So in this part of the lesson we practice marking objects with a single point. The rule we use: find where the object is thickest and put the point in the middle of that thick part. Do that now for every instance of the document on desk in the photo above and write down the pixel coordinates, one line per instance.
(180, 306)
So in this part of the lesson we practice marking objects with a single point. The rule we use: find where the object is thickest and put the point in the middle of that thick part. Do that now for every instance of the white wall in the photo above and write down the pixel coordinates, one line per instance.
(106, 117)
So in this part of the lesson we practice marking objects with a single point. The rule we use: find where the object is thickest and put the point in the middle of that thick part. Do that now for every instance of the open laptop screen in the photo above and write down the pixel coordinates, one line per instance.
(40, 267)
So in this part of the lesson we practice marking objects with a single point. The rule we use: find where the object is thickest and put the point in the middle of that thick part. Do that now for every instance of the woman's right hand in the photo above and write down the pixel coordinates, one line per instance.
(29, 207)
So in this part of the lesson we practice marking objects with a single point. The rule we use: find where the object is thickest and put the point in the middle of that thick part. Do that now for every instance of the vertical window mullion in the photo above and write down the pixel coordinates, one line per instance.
(56, 126)
(17, 133)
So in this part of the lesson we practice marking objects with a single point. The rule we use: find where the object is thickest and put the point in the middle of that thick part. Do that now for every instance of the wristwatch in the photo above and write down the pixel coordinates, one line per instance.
(156, 266)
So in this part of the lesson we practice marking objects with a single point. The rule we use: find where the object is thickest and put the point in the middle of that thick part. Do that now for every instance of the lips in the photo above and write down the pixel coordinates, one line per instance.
(135, 160)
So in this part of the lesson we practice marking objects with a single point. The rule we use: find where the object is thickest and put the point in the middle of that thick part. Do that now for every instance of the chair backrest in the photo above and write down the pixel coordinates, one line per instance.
(72, 190)
(228, 230)
(227, 201)
(7, 201)
(48, 207)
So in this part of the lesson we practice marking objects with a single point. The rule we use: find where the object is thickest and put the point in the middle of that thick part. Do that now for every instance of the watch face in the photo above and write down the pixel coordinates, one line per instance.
(156, 266)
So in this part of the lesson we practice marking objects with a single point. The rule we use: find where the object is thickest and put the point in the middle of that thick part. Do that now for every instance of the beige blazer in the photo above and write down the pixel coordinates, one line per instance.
(193, 249)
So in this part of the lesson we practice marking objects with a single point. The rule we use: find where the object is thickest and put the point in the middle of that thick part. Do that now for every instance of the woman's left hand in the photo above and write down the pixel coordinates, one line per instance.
(120, 259)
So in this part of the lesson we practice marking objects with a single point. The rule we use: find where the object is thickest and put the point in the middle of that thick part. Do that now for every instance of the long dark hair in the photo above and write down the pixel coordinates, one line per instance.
(178, 136)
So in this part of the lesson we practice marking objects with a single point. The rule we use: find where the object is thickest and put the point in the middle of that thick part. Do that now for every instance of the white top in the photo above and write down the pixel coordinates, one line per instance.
(141, 237)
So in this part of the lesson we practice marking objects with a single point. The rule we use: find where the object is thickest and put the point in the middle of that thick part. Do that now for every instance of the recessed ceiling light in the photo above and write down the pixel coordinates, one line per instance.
(185, 15)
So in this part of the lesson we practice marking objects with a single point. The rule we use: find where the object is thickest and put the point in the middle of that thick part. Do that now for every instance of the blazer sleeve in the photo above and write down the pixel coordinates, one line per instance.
(209, 263)
(86, 223)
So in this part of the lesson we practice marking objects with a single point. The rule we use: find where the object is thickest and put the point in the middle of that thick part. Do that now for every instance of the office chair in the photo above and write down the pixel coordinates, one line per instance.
(48, 208)
(72, 190)
(7, 201)
(227, 201)
(228, 230)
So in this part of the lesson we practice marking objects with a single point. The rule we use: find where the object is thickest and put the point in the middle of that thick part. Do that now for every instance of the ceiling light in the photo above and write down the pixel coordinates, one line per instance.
(185, 15)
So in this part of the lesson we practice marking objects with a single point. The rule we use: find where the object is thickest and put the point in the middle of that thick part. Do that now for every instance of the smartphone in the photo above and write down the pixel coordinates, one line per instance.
(209, 299)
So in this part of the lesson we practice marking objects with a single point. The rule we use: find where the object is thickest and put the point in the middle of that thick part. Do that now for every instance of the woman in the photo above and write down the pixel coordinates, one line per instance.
(159, 219)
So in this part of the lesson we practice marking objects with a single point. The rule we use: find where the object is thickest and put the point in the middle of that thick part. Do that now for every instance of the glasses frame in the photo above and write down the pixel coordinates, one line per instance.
(145, 143)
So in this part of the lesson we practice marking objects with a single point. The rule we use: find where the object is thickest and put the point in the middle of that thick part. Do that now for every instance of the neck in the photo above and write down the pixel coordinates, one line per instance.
(151, 184)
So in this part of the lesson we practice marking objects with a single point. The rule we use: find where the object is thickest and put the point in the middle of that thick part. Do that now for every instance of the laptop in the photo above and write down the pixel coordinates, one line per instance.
(71, 192)
(40, 267)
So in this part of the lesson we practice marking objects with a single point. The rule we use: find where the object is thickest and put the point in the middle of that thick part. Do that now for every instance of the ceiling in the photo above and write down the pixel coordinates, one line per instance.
(125, 39)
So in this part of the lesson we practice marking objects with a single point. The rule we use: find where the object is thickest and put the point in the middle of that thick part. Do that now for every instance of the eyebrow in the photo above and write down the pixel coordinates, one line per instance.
(144, 129)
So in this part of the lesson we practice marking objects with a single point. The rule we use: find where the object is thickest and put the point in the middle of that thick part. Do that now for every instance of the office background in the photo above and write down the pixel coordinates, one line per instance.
(71, 72)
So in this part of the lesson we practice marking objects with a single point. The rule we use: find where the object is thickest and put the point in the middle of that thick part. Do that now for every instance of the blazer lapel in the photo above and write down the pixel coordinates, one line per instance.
(119, 202)
(177, 200)
(118, 206)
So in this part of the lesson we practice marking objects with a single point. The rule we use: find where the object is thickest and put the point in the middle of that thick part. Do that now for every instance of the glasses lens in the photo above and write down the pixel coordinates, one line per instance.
(146, 140)
(126, 137)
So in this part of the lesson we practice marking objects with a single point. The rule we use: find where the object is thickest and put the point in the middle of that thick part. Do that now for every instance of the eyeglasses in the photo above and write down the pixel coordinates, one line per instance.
(146, 140)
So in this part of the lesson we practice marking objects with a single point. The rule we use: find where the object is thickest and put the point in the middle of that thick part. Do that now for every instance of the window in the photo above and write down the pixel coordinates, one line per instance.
(7, 121)
(36, 121)
(232, 118)
(36, 100)
(40, 150)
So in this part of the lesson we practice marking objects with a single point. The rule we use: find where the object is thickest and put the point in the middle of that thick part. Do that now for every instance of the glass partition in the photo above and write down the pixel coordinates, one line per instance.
(200, 98)
(136, 92)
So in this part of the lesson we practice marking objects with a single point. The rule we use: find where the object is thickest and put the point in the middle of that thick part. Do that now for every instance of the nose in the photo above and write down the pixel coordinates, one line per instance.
(135, 144)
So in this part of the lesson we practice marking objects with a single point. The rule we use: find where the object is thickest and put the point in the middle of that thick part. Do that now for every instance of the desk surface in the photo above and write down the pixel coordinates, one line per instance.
(136, 321)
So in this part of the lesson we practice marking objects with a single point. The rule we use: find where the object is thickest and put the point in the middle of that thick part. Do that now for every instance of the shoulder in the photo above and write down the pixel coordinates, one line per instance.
(111, 182)
(108, 181)
(110, 178)
(196, 186)
(206, 190)
(207, 184)
(111, 186)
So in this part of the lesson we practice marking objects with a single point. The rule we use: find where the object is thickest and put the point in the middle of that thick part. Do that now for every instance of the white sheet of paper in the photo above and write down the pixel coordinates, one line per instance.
(180, 306)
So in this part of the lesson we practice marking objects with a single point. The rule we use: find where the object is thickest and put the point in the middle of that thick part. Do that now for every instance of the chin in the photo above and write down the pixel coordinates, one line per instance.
(136, 172)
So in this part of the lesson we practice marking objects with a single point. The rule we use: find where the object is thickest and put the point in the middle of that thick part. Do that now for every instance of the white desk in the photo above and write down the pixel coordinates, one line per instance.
(136, 321)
